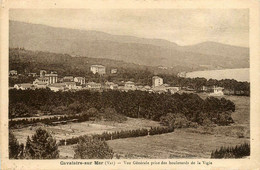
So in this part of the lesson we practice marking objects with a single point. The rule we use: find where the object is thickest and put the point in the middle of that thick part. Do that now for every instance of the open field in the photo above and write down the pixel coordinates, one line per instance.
(90, 127)
(179, 144)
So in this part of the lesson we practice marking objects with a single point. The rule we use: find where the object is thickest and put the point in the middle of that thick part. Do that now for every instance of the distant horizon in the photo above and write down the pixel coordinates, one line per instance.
(130, 35)
(182, 26)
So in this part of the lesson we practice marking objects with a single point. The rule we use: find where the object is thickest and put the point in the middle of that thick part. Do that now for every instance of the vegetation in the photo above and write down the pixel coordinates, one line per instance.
(136, 104)
(48, 120)
(238, 151)
(92, 148)
(15, 149)
(120, 134)
(41, 146)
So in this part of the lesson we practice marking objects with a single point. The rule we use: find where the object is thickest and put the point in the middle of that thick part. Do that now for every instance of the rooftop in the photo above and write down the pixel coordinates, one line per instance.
(68, 77)
(100, 66)
(26, 85)
(156, 77)
(57, 85)
(80, 77)
(49, 75)
(129, 82)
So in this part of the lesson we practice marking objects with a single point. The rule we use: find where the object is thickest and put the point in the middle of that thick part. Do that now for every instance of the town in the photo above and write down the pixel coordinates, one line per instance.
(70, 83)
(80, 92)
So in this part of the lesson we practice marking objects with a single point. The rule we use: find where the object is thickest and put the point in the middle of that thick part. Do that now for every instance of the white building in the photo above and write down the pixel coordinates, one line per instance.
(41, 80)
(111, 85)
(182, 74)
(70, 85)
(113, 71)
(129, 86)
(157, 81)
(98, 69)
(52, 78)
(80, 80)
(93, 85)
(13, 73)
(57, 87)
(68, 79)
(24, 86)
(217, 91)
(173, 90)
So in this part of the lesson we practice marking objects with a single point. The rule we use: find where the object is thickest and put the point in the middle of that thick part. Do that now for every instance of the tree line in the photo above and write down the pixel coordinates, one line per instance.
(120, 134)
(239, 151)
(135, 104)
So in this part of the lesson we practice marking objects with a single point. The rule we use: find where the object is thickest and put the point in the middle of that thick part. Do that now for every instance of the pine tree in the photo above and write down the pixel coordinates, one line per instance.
(14, 147)
(41, 146)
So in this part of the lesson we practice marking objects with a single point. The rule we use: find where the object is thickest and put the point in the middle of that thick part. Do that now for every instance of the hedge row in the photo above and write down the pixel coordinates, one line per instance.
(238, 151)
(120, 134)
(48, 120)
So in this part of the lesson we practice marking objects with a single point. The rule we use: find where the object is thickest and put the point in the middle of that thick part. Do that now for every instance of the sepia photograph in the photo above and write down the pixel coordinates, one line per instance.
(129, 84)
(105, 84)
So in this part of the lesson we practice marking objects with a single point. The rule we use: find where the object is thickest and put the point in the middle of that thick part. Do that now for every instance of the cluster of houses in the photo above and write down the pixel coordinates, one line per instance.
(51, 81)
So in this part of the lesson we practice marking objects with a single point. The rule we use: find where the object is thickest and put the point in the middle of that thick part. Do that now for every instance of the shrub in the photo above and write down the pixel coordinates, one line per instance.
(92, 148)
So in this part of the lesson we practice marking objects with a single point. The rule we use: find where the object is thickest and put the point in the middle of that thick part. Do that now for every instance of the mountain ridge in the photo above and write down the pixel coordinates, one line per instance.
(154, 52)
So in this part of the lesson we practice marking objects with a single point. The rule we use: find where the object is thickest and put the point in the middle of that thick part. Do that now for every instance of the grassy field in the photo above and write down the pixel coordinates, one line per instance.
(179, 144)
(77, 129)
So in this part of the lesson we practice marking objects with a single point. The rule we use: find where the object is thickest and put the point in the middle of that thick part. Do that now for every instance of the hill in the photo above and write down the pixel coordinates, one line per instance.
(26, 61)
(150, 52)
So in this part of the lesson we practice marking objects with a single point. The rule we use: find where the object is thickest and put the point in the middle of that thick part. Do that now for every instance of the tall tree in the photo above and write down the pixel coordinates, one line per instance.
(41, 146)
(15, 149)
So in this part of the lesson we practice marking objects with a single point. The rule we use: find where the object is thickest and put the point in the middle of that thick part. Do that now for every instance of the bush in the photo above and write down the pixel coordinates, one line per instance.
(92, 148)
(176, 120)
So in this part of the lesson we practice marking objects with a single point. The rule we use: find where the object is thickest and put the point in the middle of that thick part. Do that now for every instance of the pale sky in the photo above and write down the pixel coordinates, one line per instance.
(182, 26)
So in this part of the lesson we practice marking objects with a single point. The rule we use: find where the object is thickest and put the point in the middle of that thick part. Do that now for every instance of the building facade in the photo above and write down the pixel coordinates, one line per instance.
(98, 69)
(157, 81)
(80, 80)
(52, 78)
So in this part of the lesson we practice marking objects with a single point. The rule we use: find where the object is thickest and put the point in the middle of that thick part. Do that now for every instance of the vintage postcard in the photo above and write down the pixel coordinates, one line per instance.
(130, 84)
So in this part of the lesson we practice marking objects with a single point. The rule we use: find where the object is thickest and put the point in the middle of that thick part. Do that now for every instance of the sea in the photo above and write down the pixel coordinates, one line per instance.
(239, 74)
